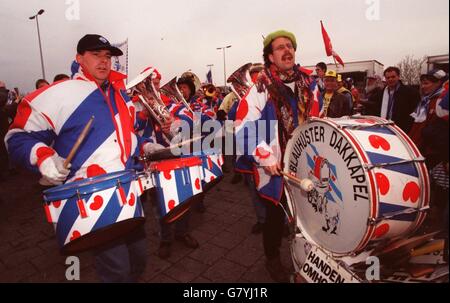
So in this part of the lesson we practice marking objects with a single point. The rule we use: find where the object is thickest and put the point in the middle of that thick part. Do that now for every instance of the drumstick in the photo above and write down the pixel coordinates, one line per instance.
(305, 184)
(186, 141)
(176, 145)
(78, 142)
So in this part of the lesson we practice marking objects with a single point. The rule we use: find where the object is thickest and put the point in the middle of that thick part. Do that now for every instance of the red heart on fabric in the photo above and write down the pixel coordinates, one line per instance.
(411, 192)
(262, 153)
(381, 230)
(197, 184)
(377, 142)
(98, 202)
(167, 175)
(132, 200)
(383, 183)
(95, 170)
(75, 235)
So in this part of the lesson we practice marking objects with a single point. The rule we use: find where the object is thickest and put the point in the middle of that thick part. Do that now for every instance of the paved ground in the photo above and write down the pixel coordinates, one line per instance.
(228, 252)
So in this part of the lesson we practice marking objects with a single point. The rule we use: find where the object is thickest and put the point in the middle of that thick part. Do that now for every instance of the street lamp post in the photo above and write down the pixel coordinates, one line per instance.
(40, 12)
(224, 64)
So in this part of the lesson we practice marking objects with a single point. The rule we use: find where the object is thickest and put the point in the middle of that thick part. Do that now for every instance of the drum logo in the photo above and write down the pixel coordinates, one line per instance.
(326, 195)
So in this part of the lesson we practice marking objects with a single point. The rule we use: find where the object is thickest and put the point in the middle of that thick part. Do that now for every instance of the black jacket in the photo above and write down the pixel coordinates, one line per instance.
(405, 102)
(339, 106)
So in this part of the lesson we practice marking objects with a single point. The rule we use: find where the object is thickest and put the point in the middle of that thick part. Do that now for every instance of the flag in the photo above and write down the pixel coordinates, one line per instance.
(120, 64)
(329, 47)
(209, 77)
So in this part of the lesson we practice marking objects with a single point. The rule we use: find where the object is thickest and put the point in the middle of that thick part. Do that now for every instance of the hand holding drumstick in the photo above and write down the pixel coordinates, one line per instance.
(77, 144)
(305, 184)
(275, 170)
(54, 169)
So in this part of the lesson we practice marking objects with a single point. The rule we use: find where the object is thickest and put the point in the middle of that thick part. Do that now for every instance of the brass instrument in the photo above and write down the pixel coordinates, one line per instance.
(143, 87)
(170, 89)
(240, 80)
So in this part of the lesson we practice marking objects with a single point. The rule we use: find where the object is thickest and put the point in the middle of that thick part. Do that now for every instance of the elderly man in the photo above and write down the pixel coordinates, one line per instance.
(279, 100)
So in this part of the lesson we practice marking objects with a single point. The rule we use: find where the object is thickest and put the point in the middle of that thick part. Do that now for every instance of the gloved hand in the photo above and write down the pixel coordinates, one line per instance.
(150, 148)
(53, 171)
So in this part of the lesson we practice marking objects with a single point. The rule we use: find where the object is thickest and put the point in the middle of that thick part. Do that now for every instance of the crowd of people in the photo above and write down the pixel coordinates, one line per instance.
(41, 131)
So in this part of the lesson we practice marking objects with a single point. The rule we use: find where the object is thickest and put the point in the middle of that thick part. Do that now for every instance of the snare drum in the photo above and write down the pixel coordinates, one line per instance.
(371, 182)
(212, 161)
(93, 211)
(177, 183)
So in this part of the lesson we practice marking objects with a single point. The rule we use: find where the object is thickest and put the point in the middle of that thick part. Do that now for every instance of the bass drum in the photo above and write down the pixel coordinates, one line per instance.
(370, 181)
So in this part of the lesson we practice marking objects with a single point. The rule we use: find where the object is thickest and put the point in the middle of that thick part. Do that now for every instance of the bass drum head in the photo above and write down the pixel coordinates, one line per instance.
(335, 214)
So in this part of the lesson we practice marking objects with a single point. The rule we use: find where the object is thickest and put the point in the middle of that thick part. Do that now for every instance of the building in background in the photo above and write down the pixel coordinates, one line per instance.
(357, 70)
(436, 62)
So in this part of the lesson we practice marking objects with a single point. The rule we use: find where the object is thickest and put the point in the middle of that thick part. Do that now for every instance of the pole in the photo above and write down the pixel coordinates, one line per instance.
(224, 69)
(224, 64)
(40, 47)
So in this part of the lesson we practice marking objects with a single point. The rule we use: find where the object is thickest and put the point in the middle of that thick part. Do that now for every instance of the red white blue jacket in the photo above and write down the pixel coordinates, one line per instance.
(50, 120)
(256, 149)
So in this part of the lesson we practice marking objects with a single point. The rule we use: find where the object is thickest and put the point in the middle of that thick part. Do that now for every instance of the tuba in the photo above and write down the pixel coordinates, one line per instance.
(143, 87)
(240, 80)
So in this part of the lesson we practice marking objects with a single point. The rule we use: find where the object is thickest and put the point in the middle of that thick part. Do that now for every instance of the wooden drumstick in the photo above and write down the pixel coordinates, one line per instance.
(77, 144)
(306, 184)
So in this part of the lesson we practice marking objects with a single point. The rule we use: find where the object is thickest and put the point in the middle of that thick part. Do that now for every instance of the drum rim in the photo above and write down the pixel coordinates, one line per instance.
(420, 166)
(173, 164)
(69, 190)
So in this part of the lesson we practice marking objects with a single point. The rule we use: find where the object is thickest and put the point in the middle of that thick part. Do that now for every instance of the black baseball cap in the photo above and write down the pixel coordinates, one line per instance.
(93, 42)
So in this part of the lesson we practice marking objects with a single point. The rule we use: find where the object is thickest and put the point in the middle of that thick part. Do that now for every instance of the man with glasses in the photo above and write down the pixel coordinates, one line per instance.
(279, 100)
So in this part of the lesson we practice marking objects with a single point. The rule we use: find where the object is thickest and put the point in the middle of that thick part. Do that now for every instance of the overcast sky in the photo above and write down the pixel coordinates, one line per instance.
(177, 35)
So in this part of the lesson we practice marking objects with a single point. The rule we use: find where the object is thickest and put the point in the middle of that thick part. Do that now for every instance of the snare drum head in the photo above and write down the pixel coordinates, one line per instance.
(335, 214)
(88, 185)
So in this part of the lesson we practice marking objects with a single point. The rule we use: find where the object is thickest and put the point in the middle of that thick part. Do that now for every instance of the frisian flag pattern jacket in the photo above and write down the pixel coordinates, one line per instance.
(148, 128)
(50, 120)
(256, 149)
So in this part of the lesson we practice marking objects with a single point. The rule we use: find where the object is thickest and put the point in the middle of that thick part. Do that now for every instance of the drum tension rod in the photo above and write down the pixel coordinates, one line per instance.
(78, 195)
(366, 126)
(410, 210)
(378, 165)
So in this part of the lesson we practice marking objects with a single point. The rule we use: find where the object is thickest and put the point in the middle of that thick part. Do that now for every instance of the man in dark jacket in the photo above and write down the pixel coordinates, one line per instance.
(397, 101)
(335, 105)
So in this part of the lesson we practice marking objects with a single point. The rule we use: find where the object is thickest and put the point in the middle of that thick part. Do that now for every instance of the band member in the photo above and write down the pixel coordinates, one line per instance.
(280, 102)
(155, 129)
(335, 105)
(197, 101)
(50, 120)
(212, 98)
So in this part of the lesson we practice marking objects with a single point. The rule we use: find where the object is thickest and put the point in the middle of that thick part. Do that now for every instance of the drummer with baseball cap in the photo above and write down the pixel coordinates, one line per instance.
(50, 120)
